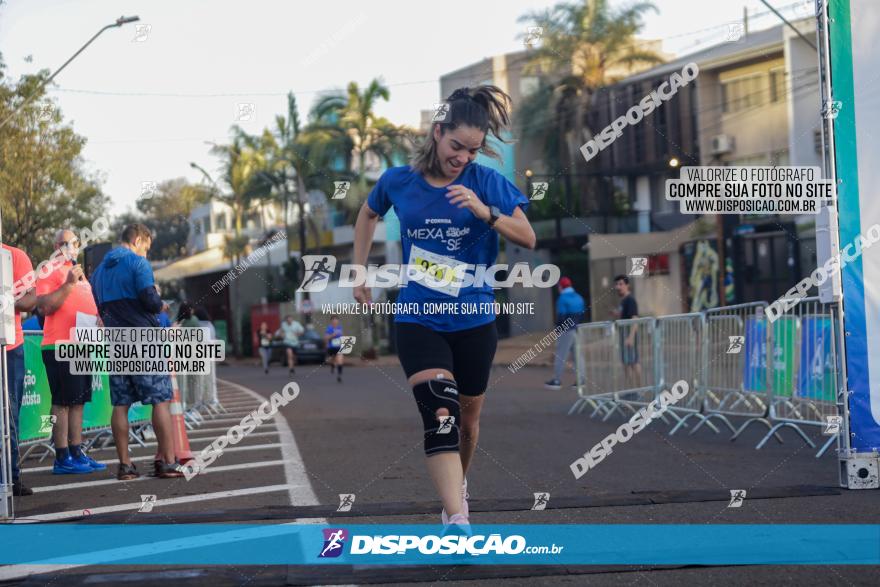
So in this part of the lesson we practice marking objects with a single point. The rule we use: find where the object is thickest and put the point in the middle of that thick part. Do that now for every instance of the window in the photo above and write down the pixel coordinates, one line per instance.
(741, 93)
(609, 97)
(638, 131)
(220, 222)
(777, 84)
(661, 128)
(197, 226)
(695, 145)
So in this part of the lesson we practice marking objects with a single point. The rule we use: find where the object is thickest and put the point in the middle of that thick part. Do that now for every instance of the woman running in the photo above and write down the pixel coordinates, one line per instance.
(451, 211)
(264, 336)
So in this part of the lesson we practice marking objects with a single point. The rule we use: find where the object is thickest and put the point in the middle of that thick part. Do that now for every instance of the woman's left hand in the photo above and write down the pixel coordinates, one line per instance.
(462, 197)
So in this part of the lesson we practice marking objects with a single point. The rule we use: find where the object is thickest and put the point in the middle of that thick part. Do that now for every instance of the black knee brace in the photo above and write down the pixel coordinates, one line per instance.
(441, 433)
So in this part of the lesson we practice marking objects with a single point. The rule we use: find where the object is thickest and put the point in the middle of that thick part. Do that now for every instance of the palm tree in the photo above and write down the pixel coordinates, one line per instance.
(242, 161)
(298, 155)
(348, 120)
(584, 46)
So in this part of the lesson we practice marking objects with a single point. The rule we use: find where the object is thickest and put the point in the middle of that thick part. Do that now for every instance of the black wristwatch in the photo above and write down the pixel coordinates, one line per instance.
(494, 215)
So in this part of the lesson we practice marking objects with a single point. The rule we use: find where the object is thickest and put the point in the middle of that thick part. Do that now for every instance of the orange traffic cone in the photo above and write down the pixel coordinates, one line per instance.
(182, 451)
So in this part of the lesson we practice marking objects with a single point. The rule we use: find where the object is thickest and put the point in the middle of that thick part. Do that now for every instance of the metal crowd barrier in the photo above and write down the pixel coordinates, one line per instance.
(734, 358)
(635, 365)
(782, 374)
(803, 373)
(611, 374)
(594, 351)
(680, 357)
(198, 393)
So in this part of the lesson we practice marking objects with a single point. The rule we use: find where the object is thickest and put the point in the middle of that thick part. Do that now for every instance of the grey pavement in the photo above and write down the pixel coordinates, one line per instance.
(363, 436)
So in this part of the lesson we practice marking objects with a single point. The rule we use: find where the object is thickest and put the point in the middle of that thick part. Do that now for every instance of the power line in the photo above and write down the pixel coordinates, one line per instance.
(489, 70)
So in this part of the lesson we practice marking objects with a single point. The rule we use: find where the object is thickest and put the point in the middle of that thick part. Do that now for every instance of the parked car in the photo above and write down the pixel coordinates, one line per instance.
(311, 349)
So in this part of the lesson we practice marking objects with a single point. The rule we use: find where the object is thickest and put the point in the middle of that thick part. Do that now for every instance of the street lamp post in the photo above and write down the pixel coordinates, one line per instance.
(237, 341)
(214, 189)
(119, 22)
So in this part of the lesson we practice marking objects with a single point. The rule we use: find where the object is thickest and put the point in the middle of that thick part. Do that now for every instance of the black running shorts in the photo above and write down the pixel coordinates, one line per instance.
(467, 353)
(66, 388)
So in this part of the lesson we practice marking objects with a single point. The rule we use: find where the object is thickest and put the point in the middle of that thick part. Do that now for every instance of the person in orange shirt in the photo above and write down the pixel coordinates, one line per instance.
(65, 298)
(26, 302)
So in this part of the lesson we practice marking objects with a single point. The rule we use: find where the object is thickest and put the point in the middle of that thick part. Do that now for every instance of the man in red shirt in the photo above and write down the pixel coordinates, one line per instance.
(65, 298)
(21, 266)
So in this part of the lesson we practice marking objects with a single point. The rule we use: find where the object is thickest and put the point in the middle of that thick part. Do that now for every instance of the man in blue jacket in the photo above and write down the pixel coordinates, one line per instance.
(569, 313)
(127, 297)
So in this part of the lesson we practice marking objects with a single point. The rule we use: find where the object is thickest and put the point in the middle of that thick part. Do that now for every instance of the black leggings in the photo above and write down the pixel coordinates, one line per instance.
(467, 354)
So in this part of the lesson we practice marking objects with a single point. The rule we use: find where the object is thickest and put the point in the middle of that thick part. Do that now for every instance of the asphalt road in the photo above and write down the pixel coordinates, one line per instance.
(363, 436)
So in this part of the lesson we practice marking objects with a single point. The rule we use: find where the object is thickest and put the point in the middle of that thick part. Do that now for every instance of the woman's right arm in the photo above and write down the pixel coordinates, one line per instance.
(364, 229)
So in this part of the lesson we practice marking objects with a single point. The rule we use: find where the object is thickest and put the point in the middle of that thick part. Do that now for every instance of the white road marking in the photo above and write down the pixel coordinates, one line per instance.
(18, 571)
(226, 421)
(159, 502)
(151, 457)
(211, 469)
(301, 492)
(189, 433)
(240, 406)
(192, 441)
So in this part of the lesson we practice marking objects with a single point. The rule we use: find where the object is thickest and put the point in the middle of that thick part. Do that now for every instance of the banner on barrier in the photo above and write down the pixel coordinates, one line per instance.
(785, 336)
(782, 366)
(36, 401)
(755, 375)
(816, 378)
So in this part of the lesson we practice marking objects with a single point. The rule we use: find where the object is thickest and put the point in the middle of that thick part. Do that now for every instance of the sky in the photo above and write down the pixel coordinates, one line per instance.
(151, 97)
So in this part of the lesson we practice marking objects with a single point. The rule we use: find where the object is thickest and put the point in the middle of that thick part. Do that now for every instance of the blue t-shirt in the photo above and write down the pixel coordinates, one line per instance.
(335, 334)
(435, 233)
(164, 320)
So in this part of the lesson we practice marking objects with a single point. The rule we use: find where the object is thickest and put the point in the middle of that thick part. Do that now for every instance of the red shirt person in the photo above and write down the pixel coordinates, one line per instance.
(22, 269)
(64, 297)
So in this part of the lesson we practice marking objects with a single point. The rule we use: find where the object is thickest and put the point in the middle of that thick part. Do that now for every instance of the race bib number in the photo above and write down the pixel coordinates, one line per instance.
(335, 342)
(435, 271)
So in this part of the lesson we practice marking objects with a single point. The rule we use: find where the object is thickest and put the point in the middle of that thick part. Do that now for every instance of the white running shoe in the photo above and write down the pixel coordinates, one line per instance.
(460, 522)
(464, 504)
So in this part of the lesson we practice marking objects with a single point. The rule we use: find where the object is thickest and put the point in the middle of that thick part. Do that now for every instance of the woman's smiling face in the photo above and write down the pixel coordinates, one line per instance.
(456, 148)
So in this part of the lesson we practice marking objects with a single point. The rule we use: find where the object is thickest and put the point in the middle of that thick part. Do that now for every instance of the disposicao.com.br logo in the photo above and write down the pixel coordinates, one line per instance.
(334, 542)
(429, 544)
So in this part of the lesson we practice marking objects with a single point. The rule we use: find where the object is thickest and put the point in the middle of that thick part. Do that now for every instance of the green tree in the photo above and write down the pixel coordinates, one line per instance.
(43, 185)
(242, 161)
(348, 120)
(582, 45)
(301, 157)
(166, 213)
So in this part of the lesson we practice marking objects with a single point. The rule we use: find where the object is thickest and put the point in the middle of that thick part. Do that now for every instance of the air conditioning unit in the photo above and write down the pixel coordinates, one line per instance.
(722, 144)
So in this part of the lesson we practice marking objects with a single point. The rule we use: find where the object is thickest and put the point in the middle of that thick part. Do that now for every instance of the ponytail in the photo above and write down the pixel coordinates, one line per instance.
(484, 107)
